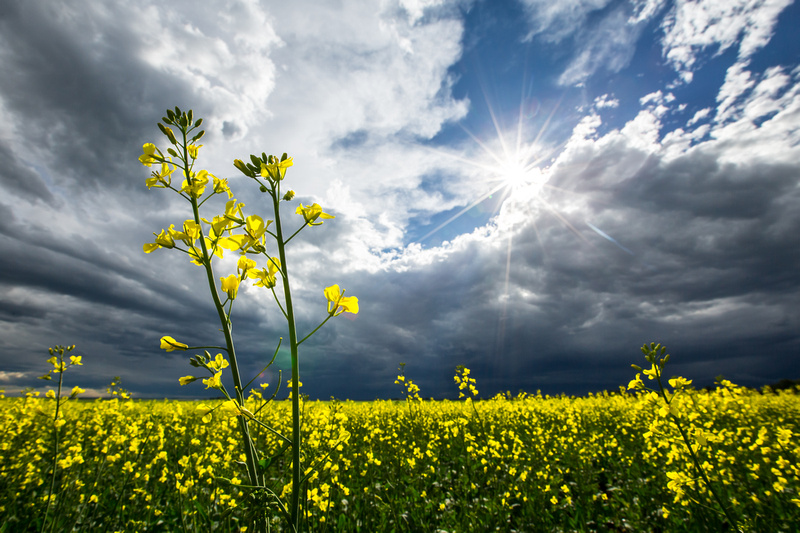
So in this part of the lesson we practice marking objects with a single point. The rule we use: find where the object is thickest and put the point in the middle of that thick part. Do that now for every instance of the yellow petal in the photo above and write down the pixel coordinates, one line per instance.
(169, 344)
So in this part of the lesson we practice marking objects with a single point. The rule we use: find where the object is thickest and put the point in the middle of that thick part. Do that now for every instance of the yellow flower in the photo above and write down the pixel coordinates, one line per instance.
(230, 285)
(75, 360)
(338, 303)
(192, 149)
(214, 382)
(221, 186)
(218, 363)
(169, 344)
(679, 382)
(191, 232)
(255, 227)
(245, 264)
(205, 412)
(668, 409)
(700, 437)
(76, 390)
(58, 366)
(51, 394)
(233, 211)
(652, 372)
(266, 276)
(636, 383)
(147, 158)
(311, 213)
(254, 236)
(185, 380)
(161, 180)
(231, 408)
(198, 184)
(163, 240)
(275, 171)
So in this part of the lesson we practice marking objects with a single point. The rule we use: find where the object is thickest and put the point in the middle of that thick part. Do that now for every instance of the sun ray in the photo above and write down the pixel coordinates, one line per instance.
(464, 210)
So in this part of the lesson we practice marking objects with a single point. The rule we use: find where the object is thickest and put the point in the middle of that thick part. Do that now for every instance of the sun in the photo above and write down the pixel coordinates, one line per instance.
(513, 175)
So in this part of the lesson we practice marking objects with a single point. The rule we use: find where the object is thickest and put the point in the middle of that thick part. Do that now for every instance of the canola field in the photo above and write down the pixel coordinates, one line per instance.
(608, 462)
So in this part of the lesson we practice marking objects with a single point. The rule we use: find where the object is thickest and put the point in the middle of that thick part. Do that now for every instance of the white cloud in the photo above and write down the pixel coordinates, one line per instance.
(605, 101)
(608, 45)
(645, 10)
(416, 8)
(223, 55)
(351, 101)
(605, 43)
(10, 376)
(759, 117)
(554, 21)
(694, 26)
(700, 115)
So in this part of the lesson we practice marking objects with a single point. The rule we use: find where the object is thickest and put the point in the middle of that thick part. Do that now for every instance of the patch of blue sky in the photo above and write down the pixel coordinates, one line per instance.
(782, 48)
(432, 231)
(501, 74)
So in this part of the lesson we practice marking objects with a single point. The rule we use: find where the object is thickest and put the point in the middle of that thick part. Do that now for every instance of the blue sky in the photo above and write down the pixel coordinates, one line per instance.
(532, 189)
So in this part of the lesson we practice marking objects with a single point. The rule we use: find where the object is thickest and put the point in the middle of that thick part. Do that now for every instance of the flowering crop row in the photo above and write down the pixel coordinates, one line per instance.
(605, 462)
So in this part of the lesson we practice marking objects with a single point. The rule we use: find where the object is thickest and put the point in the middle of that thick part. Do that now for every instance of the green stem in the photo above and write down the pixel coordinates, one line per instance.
(301, 341)
(274, 355)
(278, 302)
(249, 448)
(294, 506)
(695, 460)
(295, 233)
(55, 451)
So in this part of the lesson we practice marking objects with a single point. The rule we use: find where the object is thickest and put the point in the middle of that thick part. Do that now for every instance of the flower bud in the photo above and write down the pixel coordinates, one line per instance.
(238, 163)
(168, 132)
(288, 196)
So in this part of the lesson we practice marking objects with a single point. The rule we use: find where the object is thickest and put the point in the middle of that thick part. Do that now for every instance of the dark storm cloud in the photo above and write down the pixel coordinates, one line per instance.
(16, 176)
(80, 96)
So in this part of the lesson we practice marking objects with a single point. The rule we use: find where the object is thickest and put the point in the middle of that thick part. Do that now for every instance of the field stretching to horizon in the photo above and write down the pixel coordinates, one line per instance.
(606, 462)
